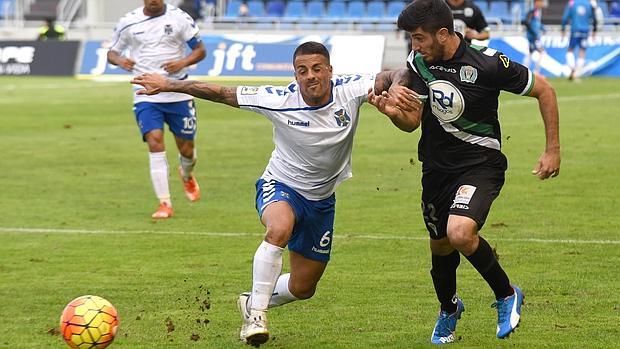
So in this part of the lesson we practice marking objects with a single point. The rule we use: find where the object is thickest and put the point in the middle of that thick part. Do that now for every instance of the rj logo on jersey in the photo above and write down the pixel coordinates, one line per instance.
(342, 118)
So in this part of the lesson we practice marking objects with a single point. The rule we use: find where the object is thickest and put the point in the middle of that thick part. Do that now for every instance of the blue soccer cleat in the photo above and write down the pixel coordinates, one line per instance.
(508, 313)
(446, 325)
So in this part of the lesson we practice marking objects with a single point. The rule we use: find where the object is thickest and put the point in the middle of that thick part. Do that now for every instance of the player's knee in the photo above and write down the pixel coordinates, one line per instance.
(278, 234)
(462, 238)
(302, 290)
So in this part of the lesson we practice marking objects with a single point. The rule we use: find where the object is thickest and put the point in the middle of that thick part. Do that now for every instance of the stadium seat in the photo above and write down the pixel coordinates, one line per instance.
(356, 9)
(336, 9)
(256, 8)
(275, 8)
(375, 9)
(7, 8)
(232, 9)
(483, 5)
(315, 9)
(295, 9)
(499, 9)
(394, 8)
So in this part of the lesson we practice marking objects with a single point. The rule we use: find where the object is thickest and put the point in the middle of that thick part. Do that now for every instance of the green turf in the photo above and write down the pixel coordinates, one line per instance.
(73, 163)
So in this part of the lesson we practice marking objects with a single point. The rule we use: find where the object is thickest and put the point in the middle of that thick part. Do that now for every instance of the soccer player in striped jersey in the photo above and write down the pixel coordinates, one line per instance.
(156, 36)
(460, 149)
(314, 120)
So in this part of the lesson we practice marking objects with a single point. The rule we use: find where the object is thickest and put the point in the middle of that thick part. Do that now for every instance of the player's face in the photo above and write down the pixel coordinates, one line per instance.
(313, 74)
(539, 4)
(430, 46)
(154, 7)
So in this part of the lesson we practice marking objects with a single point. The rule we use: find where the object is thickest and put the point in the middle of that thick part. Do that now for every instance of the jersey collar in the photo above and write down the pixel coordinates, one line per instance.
(460, 51)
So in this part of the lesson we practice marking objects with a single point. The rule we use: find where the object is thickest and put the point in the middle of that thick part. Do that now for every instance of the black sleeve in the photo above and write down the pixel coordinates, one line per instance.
(417, 84)
(512, 76)
(479, 22)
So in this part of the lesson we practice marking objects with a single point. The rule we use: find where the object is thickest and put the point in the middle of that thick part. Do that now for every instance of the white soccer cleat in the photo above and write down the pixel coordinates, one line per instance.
(254, 324)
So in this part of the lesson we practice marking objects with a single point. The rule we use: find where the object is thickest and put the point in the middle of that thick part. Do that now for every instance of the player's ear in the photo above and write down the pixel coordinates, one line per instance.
(442, 35)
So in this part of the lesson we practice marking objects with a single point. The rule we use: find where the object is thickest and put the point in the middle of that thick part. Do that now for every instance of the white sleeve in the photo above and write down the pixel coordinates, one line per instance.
(189, 29)
(263, 99)
(120, 41)
(356, 86)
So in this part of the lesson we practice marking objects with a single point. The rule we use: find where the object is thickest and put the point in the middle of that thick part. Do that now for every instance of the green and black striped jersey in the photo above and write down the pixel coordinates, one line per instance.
(460, 126)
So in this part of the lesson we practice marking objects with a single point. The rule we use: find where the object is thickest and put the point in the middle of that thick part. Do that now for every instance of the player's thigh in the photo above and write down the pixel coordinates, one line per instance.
(181, 119)
(149, 117)
(437, 192)
(475, 193)
(279, 219)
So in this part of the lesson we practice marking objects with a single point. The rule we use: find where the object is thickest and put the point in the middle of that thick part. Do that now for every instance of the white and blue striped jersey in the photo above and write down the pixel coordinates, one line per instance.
(313, 145)
(152, 41)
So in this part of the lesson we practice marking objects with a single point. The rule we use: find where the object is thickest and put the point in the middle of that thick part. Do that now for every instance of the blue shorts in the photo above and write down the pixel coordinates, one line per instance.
(180, 117)
(314, 220)
(578, 39)
(534, 45)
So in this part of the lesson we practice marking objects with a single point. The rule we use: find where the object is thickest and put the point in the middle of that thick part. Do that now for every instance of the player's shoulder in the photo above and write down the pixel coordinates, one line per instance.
(472, 4)
(346, 81)
(130, 18)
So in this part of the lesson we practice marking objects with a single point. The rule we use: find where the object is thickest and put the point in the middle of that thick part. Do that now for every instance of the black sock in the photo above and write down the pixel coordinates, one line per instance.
(444, 279)
(487, 265)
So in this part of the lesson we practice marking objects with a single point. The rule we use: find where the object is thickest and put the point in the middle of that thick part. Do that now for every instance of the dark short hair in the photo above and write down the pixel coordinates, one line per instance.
(430, 15)
(311, 48)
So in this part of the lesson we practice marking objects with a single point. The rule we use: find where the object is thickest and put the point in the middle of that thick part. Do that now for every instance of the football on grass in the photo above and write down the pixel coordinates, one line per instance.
(89, 322)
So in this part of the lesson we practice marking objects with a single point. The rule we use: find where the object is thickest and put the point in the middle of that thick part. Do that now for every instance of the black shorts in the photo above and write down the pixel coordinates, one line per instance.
(469, 193)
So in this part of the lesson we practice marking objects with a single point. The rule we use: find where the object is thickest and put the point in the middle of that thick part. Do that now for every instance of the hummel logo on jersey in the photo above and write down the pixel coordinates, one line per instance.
(168, 29)
(299, 123)
(342, 118)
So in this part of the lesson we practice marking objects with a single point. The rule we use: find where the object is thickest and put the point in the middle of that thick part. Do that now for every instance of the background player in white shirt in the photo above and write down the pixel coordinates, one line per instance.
(156, 36)
(314, 120)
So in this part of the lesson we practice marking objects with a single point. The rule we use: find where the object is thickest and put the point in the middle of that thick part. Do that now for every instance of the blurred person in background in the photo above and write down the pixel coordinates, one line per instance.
(51, 31)
(469, 20)
(581, 15)
(534, 28)
(156, 36)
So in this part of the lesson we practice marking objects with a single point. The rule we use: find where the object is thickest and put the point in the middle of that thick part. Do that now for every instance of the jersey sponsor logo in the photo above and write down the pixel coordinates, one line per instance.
(468, 12)
(439, 67)
(447, 102)
(299, 123)
(468, 74)
(342, 118)
(505, 60)
(464, 194)
(167, 29)
(249, 90)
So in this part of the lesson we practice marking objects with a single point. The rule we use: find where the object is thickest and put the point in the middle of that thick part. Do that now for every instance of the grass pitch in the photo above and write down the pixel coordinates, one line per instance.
(76, 201)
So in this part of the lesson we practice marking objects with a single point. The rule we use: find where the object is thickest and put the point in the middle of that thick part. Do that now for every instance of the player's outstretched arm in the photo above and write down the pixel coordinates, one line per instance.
(405, 119)
(154, 83)
(549, 162)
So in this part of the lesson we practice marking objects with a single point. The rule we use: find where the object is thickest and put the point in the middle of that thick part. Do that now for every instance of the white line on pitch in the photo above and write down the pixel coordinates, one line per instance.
(238, 234)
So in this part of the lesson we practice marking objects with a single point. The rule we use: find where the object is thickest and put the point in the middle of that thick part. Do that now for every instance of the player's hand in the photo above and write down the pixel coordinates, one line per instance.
(153, 83)
(126, 63)
(471, 34)
(405, 120)
(548, 165)
(405, 98)
(173, 66)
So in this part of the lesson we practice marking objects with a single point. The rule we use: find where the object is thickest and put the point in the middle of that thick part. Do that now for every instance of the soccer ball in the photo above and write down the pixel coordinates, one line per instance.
(89, 322)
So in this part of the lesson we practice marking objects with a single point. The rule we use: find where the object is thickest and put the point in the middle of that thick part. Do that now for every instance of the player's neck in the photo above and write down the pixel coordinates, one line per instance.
(450, 47)
(153, 14)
